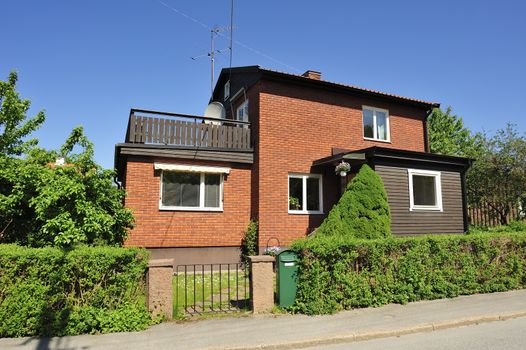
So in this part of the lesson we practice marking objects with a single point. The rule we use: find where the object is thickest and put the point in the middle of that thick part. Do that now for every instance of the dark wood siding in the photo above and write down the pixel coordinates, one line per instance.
(405, 222)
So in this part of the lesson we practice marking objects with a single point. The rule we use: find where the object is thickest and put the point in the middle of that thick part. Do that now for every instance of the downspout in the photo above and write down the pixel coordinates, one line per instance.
(426, 134)
(464, 196)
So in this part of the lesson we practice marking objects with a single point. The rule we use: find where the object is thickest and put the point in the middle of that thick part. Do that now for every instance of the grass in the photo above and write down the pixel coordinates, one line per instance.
(514, 226)
(209, 292)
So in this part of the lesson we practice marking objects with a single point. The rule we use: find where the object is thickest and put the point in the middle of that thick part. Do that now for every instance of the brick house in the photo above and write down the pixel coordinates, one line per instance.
(195, 183)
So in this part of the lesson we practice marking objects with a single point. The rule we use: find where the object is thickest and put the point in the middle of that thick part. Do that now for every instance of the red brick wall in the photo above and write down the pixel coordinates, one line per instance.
(298, 125)
(155, 228)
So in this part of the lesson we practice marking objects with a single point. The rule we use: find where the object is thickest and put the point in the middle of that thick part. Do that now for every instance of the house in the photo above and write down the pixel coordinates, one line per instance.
(194, 183)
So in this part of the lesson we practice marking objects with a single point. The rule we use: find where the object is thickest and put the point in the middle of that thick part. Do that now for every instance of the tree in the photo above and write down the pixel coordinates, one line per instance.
(14, 127)
(362, 211)
(449, 136)
(498, 175)
(46, 203)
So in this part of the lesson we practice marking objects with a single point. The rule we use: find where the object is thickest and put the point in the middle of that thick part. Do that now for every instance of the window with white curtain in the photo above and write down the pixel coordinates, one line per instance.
(191, 191)
(375, 124)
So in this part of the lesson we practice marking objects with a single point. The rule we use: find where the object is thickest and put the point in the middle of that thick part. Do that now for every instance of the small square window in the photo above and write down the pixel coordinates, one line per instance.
(425, 191)
(305, 194)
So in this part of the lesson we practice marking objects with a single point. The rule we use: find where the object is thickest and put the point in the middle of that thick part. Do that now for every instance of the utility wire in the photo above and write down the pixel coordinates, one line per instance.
(205, 26)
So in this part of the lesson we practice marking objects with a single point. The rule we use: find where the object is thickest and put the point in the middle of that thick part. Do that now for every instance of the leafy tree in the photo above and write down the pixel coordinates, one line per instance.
(498, 175)
(44, 203)
(14, 126)
(362, 211)
(449, 136)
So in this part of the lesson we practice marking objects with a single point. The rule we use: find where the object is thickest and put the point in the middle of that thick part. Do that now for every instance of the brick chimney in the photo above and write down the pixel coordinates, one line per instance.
(312, 74)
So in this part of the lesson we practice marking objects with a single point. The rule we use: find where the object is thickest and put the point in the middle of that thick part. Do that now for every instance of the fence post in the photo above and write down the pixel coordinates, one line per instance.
(261, 283)
(159, 292)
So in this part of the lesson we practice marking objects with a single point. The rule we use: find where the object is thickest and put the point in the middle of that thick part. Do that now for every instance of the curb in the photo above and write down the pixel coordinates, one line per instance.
(361, 336)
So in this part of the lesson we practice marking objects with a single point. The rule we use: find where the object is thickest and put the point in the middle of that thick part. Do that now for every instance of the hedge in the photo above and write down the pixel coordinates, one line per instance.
(337, 274)
(53, 292)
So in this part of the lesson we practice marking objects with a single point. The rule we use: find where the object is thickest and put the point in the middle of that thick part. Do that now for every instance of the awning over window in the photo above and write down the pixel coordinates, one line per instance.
(192, 168)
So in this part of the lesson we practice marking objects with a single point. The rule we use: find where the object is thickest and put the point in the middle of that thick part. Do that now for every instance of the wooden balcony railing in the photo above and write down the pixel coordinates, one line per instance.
(146, 127)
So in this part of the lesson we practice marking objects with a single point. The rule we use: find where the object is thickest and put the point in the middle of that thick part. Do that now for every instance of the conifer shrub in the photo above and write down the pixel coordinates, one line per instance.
(362, 211)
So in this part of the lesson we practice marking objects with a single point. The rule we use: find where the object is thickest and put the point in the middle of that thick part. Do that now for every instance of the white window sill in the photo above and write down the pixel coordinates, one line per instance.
(216, 210)
(300, 212)
(376, 140)
(423, 209)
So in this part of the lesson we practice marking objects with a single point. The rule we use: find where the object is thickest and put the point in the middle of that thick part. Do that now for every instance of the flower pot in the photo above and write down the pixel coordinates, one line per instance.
(343, 173)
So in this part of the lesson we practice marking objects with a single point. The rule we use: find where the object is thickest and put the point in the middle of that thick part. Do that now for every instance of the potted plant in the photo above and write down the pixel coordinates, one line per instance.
(342, 169)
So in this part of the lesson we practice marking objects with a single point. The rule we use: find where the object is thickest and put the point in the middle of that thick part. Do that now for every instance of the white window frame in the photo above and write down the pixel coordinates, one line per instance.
(304, 178)
(243, 106)
(375, 131)
(201, 206)
(226, 90)
(438, 190)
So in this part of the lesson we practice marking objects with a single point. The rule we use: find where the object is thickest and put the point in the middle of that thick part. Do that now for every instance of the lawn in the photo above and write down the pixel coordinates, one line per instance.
(206, 291)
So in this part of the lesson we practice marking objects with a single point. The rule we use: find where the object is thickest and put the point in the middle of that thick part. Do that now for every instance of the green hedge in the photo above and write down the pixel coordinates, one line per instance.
(337, 274)
(49, 291)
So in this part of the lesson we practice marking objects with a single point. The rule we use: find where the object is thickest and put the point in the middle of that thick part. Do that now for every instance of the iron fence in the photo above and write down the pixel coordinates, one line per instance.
(211, 288)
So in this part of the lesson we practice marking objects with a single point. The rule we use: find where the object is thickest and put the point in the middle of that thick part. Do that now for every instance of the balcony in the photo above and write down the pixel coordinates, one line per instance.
(187, 132)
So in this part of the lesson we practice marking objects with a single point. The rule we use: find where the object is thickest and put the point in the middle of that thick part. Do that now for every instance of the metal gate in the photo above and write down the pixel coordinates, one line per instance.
(211, 288)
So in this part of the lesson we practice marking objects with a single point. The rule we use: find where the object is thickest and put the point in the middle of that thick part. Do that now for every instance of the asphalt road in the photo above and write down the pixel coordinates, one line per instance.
(509, 335)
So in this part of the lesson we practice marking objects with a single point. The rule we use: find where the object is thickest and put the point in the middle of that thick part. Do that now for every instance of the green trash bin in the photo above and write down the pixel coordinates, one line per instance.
(287, 278)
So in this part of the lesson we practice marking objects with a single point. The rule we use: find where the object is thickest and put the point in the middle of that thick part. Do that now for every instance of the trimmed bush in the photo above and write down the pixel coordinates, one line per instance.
(53, 292)
(362, 211)
(337, 273)
(249, 243)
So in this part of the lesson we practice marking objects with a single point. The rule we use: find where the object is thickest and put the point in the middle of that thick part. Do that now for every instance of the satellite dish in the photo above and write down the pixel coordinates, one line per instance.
(215, 110)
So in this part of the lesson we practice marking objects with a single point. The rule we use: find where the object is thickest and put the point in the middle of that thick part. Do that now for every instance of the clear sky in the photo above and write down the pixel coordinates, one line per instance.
(88, 62)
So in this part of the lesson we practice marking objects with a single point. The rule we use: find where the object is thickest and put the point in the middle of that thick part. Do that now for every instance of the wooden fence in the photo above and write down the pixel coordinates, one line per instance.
(201, 133)
(484, 215)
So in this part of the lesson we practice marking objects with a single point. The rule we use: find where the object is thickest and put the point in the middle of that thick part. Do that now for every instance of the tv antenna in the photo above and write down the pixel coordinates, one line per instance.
(213, 52)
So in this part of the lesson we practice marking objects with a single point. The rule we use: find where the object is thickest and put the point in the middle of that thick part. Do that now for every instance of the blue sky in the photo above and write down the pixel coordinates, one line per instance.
(88, 62)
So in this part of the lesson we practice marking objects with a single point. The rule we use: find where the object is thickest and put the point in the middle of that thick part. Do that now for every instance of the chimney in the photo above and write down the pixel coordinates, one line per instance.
(312, 74)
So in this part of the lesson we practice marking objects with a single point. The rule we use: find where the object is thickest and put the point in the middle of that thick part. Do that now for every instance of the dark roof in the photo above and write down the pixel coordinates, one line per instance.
(323, 84)
(396, 155)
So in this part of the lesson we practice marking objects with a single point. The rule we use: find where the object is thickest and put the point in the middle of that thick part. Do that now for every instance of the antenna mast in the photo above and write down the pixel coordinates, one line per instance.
(212, 54)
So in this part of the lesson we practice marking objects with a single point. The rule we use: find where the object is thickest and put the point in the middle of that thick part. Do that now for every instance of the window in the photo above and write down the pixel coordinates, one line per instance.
(376, 124)
(425, 190)
(191, 191)
(226, 90)
(305, 194)
(242, 112)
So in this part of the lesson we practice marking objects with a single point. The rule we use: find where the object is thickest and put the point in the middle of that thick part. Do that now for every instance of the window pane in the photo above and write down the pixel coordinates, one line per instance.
(295, 193)
(381, 125)
(181, 189)
(212, 190)
(368, 123)
(424, 190)
(313, 194)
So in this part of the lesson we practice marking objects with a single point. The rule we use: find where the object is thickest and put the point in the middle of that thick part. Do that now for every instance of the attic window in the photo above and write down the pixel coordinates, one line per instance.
(227, 90)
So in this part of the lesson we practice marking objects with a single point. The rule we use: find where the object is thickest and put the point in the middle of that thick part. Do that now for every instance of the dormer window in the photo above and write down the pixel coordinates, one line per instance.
(242, 112)
(226, 90)
(375, 124)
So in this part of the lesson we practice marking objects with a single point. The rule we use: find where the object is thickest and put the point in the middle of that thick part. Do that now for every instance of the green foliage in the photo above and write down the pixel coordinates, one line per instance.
(514, 226)
(45, 204)
(249, 243)
(362, 211)
(49, 291)
(336, 273)
(14, 127)
(449, 136)
(498, 176)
